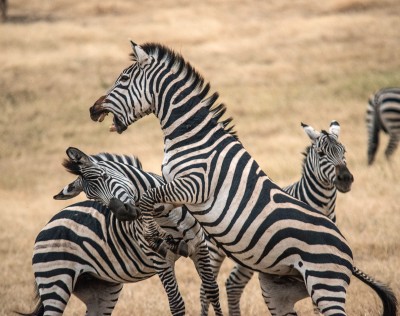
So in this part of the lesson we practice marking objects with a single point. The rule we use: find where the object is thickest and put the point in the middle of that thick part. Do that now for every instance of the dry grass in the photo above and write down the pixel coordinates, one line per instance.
(275, 63)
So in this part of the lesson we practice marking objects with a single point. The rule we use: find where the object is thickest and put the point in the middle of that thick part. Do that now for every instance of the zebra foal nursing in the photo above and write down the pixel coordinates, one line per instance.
(209, 173)
(383, 114)
(84, 250)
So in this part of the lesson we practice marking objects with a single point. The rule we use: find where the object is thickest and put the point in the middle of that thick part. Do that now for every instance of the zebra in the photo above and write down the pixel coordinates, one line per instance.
(383, 113)
(209, 172)
(3, 10)
(86, 251)
(324, 173)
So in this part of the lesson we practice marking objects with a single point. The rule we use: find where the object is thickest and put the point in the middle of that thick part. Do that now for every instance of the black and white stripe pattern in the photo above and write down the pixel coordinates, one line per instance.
(84, 250)
(383, 114)
(324, 173)
(209, 172)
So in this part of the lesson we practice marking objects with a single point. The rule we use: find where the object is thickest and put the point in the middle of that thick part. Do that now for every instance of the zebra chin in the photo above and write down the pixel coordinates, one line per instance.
(125, 212)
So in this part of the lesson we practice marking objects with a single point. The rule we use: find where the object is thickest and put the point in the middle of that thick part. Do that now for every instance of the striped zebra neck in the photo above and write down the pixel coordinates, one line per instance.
(311, 189)
(183, 102)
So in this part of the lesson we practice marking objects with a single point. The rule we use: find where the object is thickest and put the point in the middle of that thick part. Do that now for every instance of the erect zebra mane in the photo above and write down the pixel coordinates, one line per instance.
(74, 166)
(125, 159)
(176, 61)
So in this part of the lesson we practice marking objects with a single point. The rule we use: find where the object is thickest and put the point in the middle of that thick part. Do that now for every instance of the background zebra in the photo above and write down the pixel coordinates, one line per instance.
(86, 251)
(209, 172)
(383, 113)
(324, 172)
(3, 9)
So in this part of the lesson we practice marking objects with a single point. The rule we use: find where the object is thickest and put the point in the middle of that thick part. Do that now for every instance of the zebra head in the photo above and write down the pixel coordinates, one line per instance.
(326, 158)
(131, 97)
(101, 183)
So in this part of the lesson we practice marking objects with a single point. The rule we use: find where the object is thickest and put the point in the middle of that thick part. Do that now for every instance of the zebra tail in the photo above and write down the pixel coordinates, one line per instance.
(389, 300)
(39, 308)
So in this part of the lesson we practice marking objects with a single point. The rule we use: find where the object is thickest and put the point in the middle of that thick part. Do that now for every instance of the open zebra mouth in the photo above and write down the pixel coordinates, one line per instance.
(98, 112)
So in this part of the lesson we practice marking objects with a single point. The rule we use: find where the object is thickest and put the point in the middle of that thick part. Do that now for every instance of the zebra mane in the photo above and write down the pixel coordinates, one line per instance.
(72, 167)
(176, 61)
(125, 159)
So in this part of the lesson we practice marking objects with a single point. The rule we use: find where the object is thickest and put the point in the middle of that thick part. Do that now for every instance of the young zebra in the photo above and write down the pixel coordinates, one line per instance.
(383, 113)
(324, 173)
(86, 251)
(209, 171)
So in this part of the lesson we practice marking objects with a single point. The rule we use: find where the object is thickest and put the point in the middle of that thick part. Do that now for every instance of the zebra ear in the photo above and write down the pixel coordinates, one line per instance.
(334, 128)
(70, 191)
(311, 132)
(139, 54)
(79, 156)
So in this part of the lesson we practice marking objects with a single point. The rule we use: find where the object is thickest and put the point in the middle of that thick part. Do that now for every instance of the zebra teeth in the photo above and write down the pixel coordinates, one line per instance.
(102, 116)
(113, 128)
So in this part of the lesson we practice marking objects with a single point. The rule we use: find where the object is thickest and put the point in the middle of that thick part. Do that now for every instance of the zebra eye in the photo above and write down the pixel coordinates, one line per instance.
(104, 176)
(124, 77)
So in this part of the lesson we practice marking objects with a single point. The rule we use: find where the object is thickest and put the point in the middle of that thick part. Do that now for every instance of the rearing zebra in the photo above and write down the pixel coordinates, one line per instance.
(383, 113)
(85, 250)
(324, 173)
(209, 172)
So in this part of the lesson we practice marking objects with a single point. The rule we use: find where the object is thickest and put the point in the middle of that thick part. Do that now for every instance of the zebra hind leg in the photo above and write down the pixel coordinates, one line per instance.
(392, 145)
(100, 297)
(280, 293)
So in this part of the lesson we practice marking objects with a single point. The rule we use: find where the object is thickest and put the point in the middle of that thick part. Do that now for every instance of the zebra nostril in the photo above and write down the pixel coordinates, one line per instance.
(347, 177)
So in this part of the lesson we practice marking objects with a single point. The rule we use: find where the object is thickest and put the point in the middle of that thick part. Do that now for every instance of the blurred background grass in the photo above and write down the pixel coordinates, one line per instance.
(274, 63)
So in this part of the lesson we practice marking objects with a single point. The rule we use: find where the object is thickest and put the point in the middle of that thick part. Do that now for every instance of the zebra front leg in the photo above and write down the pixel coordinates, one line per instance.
(170, 193)
(168, 280)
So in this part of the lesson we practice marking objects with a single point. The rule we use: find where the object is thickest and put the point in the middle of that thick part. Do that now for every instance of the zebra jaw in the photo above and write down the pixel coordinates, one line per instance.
(98, 114)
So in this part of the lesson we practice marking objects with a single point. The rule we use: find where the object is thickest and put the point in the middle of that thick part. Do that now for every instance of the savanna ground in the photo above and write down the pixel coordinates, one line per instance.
(274, 63)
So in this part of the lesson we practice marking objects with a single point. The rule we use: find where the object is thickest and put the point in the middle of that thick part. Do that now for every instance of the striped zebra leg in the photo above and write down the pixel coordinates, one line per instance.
(392, 145)
(176, 192)
(373, 127)
(216, 260)
(209, 287)
(55, 288)
(168, 280)
(280, 293)
(100, 297)
(235, 284)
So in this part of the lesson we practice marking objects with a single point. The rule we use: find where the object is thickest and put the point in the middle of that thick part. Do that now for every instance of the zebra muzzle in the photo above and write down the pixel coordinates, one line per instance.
(97, 111)
(124, 211)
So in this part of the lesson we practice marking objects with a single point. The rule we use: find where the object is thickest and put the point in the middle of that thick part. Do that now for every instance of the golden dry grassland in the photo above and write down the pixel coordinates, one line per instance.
(274, 63)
